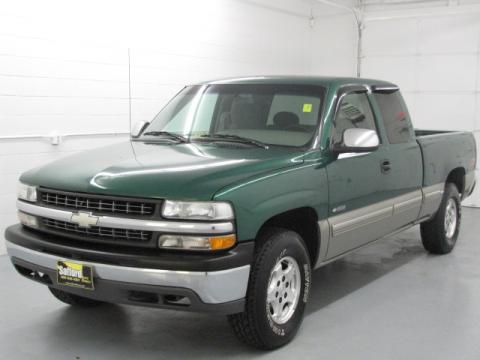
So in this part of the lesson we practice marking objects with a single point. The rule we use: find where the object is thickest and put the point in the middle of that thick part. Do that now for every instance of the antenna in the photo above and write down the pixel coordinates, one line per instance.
(129, 94)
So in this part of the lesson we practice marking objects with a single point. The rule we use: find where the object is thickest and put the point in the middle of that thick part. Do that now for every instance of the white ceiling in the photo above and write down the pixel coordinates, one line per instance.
(327, 8)
(320, 6)
(405, 4)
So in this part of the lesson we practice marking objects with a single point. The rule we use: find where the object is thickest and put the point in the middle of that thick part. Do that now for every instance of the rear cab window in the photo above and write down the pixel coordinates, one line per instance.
(302, 109)
(395, 117)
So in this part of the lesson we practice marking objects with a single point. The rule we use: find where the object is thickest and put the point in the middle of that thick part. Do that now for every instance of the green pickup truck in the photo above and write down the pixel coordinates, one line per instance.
(233, 193)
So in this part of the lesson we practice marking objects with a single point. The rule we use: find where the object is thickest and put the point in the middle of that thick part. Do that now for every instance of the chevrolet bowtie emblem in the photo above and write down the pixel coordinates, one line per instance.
(84, 219)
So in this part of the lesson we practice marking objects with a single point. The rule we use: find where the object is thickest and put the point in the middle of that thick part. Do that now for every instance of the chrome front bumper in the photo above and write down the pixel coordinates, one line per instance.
(212, 287)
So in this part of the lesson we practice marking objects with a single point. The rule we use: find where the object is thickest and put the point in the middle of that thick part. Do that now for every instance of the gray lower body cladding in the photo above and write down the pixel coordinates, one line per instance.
(347, 231)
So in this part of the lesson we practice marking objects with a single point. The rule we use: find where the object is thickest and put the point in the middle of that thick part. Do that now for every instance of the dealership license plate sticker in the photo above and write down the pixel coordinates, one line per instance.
(73, 274)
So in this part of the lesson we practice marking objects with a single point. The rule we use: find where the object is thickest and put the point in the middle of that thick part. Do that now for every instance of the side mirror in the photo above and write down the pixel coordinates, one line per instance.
(357, 140)
(138, 129)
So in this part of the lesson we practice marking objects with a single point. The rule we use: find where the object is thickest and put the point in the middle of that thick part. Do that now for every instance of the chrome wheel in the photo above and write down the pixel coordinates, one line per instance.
(284, 290)
(450, 218)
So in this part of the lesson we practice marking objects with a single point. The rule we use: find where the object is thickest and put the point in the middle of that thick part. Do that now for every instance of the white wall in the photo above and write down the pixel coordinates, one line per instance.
(64, 66)
(334, 50)
(433, 54)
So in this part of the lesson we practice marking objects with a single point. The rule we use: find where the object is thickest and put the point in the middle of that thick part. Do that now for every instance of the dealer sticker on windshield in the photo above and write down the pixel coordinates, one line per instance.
(73, 274)
(307, 108)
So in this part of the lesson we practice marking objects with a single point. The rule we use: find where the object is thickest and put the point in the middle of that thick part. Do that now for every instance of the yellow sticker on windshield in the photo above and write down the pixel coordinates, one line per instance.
(307, 107)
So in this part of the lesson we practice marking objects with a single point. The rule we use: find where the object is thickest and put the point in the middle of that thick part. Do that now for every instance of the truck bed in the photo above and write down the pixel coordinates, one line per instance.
(444, 151)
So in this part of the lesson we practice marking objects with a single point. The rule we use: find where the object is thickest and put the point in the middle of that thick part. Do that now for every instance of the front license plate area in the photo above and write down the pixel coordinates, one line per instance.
(73, 274)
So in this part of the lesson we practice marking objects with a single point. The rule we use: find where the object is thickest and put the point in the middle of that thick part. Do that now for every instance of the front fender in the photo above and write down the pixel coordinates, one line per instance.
(258, 199)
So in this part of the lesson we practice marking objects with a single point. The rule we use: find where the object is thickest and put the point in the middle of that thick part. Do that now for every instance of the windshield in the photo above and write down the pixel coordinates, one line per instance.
(285, 115)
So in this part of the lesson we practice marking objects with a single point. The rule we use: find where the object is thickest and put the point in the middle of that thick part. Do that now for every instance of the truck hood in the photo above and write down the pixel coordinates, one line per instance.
(160, 170)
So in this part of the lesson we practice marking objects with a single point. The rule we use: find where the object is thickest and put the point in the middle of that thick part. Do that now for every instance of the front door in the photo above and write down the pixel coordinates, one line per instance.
(359, 203)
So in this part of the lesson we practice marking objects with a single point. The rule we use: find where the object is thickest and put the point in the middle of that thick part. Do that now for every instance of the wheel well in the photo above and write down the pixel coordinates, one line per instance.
(304, 222)
(457, 177)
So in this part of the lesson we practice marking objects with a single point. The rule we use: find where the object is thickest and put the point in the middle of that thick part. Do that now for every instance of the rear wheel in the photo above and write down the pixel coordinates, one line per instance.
(74, 300)
(277, 291)
(439, 235)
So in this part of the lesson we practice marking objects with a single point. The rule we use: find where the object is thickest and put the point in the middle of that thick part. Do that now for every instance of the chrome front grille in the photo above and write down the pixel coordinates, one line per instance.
(98, 231)
(97, 204)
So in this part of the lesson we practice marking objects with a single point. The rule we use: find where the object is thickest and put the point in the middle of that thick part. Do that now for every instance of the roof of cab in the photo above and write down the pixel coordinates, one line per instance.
(300, 80)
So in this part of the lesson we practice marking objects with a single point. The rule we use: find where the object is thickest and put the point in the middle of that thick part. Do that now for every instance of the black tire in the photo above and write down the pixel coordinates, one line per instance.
(74, 300)
(435, 237)
(256, 326)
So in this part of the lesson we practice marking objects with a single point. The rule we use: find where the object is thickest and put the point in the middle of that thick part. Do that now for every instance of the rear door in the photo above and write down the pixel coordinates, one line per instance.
(403, 180)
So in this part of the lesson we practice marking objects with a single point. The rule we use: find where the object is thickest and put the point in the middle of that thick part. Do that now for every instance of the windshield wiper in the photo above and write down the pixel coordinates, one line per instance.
(234, 138)
(174, 136)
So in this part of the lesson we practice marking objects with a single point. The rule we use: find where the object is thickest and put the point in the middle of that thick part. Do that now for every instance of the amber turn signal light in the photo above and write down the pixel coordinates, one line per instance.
(222, 242)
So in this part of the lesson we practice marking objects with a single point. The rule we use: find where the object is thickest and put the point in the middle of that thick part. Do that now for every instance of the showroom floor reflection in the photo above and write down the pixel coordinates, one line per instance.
(389, 300)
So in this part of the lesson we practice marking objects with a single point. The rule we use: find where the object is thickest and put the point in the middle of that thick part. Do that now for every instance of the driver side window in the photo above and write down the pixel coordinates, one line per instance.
(354, 111)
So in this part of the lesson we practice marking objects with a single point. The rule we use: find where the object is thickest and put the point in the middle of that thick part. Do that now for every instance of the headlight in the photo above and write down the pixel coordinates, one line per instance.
(205, 210)
(181, 242)
(26, 192)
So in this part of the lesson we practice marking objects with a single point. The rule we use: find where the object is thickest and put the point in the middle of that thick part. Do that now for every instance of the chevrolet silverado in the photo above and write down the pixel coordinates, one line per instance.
(233, 193)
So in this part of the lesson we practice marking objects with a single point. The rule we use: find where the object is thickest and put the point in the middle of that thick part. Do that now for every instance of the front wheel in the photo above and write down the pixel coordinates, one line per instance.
(277, 291)
(439, 235)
